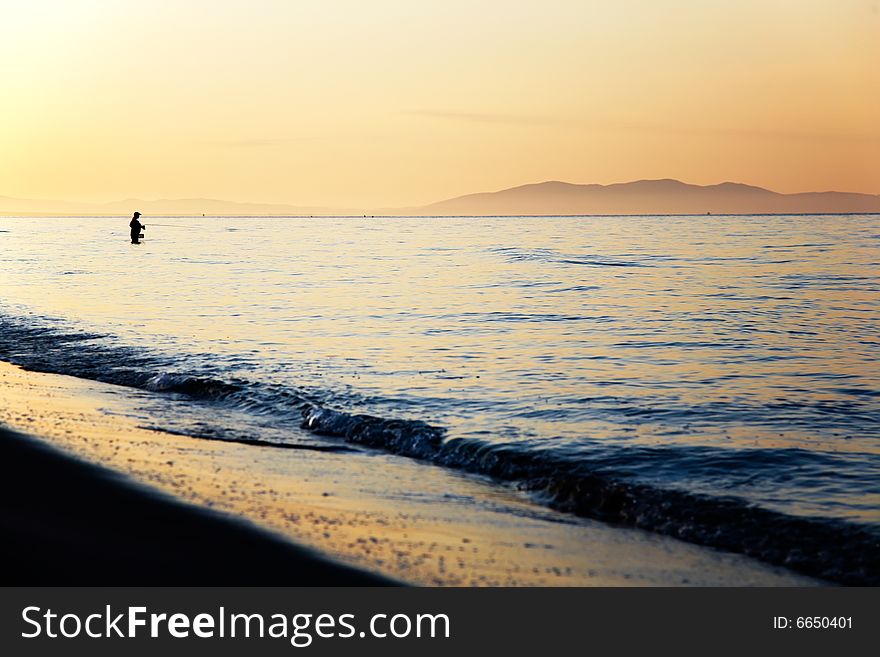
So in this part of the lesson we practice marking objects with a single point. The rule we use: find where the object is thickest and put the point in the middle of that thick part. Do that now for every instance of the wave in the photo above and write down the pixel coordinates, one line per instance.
(194, 386)
(516, 254)
(602, 483)
(833, 550)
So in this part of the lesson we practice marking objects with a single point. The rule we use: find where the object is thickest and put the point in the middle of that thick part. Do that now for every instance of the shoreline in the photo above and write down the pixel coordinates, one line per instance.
(387, 515)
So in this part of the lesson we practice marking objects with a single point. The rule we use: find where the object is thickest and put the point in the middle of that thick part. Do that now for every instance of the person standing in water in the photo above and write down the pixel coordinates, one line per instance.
(136, 228)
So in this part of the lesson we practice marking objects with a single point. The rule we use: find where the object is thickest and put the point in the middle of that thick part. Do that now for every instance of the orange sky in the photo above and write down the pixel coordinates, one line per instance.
(394, 102)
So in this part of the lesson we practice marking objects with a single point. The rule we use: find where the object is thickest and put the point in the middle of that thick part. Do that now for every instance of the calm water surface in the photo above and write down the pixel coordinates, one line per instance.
(727, 357)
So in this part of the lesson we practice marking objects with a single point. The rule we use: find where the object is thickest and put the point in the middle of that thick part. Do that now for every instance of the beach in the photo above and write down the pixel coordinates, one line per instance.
(429, 399)
(341, 507)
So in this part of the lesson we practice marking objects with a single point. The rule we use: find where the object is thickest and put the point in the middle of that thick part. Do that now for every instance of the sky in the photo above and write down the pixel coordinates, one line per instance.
(388, 103)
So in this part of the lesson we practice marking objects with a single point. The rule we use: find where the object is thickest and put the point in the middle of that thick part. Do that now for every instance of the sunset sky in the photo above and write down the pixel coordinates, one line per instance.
(349, 103)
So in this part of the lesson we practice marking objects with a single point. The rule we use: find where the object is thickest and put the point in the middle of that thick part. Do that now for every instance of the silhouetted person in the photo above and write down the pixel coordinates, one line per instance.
(136, 228)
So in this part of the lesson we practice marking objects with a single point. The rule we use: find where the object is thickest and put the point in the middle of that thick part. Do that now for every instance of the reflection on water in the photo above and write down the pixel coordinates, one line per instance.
(723, 355)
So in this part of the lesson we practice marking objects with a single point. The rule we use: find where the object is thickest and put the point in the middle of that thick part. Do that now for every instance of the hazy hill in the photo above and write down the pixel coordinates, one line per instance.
(184, 206)
(649, 197)
(640, 197)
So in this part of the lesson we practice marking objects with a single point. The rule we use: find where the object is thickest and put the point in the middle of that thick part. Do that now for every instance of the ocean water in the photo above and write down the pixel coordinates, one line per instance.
(713, 378)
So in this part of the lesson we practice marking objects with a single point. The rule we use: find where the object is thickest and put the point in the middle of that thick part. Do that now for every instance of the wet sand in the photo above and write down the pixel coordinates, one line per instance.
(421, 525)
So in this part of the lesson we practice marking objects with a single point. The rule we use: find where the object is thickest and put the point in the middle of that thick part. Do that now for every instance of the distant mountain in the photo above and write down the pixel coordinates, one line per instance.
(184, 206)
(648, 197)
(548, 198)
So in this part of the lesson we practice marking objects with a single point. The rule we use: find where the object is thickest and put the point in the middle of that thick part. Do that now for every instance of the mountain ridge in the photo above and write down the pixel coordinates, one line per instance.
(551, 197)
(652, 196)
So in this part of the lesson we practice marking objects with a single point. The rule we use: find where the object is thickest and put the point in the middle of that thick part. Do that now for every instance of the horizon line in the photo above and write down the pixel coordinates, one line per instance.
(430, 203)
(45, 215)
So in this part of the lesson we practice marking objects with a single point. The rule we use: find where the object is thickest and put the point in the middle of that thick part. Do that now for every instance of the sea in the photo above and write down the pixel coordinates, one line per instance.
(712, 378)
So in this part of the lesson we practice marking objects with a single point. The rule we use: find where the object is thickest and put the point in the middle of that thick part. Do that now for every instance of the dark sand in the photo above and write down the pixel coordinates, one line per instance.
(67, 522)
